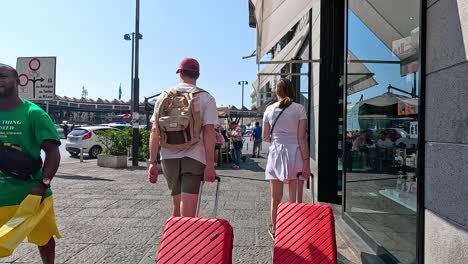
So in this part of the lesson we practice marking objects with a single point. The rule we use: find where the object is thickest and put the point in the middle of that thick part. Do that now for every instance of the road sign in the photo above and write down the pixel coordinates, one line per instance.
(36, 77)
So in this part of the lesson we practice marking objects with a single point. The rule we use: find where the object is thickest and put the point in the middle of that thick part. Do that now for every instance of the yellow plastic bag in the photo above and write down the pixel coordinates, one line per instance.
(30, 212)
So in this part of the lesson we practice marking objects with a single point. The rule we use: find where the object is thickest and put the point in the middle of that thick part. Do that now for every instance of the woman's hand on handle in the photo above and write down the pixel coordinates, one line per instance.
(306, 170)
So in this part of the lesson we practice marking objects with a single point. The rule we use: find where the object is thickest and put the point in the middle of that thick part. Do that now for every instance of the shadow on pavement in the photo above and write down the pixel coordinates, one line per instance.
(77, 157)
(285, 255)
(243, 178)
(343, 260)
(249, 165)
(137, 168)
(67, 176)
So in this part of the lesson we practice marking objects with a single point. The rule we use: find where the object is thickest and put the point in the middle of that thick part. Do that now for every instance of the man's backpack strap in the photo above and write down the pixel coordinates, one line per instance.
(196, 90)
(171, 91)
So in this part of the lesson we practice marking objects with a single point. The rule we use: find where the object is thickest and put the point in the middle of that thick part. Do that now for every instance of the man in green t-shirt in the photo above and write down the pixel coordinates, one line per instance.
(30, 129)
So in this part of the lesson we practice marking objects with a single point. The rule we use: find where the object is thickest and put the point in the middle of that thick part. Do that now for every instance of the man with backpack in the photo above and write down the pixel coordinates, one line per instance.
(183, 130)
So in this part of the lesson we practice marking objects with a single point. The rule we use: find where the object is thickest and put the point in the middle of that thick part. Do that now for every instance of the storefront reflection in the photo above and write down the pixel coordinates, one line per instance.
(381, 130)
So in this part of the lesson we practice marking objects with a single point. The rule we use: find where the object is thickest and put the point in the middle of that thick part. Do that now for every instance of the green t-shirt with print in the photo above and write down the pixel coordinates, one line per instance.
(26, 126)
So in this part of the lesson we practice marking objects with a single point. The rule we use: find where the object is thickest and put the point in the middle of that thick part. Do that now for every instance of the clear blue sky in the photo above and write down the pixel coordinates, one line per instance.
(366, 46)
(87, 38)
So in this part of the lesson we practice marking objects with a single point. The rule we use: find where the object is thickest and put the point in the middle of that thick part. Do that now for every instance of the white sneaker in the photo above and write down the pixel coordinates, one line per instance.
(271, 232)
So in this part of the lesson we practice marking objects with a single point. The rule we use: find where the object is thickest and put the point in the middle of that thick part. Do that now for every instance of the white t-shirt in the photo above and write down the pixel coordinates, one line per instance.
(285, 131)
(209, 116)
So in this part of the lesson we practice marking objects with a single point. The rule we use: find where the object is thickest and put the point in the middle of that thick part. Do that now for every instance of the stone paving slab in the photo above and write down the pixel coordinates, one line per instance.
(116, 216)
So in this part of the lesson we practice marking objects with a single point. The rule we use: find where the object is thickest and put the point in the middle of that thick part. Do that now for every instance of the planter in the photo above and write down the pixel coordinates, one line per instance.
(109, 161)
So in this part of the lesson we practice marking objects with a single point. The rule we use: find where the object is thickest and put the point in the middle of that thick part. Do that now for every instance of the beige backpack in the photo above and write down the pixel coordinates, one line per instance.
(179, 119)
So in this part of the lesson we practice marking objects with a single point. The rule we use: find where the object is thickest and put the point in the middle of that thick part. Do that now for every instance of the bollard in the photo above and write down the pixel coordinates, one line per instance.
(81, 154)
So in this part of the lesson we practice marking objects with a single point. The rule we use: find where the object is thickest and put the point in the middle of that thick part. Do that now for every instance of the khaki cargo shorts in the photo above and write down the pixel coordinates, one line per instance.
(183, 175)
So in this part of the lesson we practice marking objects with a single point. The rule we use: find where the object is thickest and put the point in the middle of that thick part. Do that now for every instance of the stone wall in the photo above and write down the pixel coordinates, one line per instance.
(446, 162)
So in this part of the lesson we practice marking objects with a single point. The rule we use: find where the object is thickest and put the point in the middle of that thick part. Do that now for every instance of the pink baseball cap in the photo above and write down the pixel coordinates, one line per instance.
(189, 64)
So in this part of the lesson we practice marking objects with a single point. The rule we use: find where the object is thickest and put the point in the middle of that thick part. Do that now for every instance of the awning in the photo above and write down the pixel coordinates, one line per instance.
(275, 18)
(287, 53)
(359, 76)
(388, 104)
(388, 20)
(385, 99)
(396, 24)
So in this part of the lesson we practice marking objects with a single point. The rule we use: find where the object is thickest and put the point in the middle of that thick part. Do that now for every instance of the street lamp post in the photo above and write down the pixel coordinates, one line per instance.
(242, 83)
(136, 91)
(131, 36)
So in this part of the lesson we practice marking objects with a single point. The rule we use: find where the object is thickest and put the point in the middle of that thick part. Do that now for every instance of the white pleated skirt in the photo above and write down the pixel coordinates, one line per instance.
(284, 162)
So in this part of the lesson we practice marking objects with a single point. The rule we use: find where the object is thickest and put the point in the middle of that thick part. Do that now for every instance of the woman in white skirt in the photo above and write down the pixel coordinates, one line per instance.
(284, 126)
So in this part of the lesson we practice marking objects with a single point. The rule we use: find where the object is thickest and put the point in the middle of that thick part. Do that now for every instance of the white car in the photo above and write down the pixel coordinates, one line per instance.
(84, 137)
(401, 138)
(118, 126)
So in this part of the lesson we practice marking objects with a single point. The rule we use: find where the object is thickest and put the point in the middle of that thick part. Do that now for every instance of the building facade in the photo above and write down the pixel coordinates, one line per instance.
(384, 83)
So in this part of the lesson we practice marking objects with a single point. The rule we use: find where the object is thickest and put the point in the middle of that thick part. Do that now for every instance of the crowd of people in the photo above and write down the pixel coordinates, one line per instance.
(365, 139)
(231, 141)
(371, 152)
(186, 134)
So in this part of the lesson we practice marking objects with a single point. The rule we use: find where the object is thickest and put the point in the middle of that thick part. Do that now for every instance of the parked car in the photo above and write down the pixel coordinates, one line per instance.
(85, 137)
(60, 131)
(401, 138)
(248, 132)
(117, 125)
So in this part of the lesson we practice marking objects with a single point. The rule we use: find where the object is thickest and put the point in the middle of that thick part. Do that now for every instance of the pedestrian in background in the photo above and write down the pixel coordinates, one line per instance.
(257, 139)
(184, 162)
(219, 145)
(284, 125)
(65, 129)
(235, 134)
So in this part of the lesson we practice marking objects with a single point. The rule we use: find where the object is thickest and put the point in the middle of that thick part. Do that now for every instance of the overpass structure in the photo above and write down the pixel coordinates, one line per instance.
(86, 111)
(89, 111)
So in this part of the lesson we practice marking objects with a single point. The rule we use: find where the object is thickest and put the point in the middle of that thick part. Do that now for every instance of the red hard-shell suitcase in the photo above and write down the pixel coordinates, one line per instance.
(304, 233)
(196, 239)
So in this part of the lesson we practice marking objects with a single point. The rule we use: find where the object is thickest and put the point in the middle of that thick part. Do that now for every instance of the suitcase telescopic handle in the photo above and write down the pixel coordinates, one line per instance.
(215, 209)
(308, 185)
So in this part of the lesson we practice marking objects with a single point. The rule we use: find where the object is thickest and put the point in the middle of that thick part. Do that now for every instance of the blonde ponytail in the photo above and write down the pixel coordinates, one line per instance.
(285, 102)
(285, 90)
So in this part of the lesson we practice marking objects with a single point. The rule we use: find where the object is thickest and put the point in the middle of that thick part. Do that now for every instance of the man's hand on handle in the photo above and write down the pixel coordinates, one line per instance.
(39, 190)
(210, 174)
(153, 173)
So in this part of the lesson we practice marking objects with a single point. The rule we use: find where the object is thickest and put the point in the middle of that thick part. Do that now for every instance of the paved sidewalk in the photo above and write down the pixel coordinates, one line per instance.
(116, 216)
